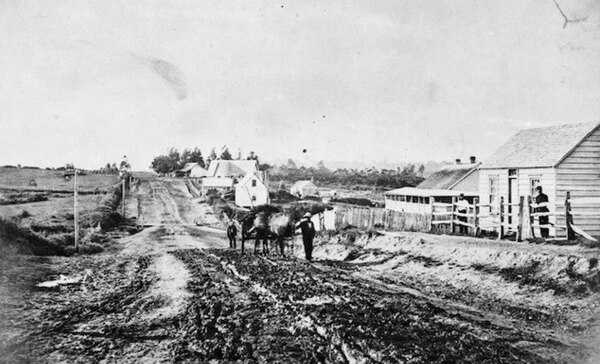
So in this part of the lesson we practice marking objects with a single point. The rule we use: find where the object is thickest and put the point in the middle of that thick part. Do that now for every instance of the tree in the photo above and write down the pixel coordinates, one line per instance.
(421, 170)
(163, 164)
(291, 164)
(212, 156)
(175, 157)
(252, 157)
(225, 155)
(196, 157)
(321, 166)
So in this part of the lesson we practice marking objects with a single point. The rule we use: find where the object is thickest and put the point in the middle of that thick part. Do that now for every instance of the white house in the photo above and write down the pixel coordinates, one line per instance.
(442, 186)
(251, 191)
(559, 158)
(304, 188)
(224, 174)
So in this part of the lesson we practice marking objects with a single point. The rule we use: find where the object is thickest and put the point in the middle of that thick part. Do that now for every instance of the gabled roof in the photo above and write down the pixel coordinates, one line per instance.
(448, 176)
(188, 167)
(217, 182)
(302, 184)
(540, 147)
(230, 168)
(424, 192)
(248, 177)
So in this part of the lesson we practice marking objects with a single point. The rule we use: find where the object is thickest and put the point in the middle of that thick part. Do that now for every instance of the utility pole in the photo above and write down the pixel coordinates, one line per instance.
(75, 214)
(123, 198)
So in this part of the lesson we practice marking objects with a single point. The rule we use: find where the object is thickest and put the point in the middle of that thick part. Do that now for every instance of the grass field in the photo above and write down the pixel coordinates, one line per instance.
(42, 212)
(52, 180)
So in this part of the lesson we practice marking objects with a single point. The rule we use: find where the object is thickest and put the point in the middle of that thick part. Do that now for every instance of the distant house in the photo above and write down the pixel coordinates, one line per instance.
(251, 191)
(231, 168)
(559, 158)
(304, 188)
(442, 186)
(224, 174)
(193, 170)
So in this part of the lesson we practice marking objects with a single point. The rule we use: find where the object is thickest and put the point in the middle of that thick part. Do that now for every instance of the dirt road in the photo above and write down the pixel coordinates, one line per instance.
(175, 293)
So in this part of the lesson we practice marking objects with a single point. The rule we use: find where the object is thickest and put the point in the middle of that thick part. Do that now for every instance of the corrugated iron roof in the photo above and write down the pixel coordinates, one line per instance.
(447, 176)
(540, 147)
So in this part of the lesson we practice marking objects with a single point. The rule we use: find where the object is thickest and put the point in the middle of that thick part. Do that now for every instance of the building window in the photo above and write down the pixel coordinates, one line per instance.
(253, 197)
(534, 181)
(253, 183)
(494, 193)
(426, 200)
(402, 198)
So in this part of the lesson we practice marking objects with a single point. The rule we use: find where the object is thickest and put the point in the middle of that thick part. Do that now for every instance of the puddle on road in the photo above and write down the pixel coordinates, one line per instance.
(65, 280)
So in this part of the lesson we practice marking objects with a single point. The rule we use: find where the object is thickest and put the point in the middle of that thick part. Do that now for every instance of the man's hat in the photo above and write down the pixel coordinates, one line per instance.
(308, 215)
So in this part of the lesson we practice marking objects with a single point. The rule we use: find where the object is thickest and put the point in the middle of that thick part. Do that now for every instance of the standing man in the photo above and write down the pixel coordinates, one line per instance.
(231, 234)
(462, 207)
(308, 234)
(542, 199)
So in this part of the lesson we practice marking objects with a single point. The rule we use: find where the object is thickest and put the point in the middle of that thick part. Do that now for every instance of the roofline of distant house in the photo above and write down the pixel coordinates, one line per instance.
(513, 167)
(475, 167)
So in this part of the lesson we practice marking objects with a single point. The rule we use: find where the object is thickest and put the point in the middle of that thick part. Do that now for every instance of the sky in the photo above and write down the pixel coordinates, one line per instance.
(90, 81)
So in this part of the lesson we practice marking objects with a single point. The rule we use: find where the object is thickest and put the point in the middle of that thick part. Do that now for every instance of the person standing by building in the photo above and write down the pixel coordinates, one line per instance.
(462, 207)
(308, 234)
(231, 234)
(542, 199)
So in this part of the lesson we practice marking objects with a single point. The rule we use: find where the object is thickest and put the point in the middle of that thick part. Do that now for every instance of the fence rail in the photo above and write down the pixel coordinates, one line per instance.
(520, 218)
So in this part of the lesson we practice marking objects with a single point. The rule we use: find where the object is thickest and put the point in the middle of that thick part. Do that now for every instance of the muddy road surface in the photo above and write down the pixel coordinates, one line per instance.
(174, 292)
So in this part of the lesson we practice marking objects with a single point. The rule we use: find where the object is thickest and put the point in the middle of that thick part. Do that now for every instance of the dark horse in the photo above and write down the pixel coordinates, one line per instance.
(263, 227)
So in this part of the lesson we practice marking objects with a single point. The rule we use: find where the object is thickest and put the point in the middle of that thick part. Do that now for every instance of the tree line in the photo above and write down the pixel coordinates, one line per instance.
(175, 160)
(409, 175)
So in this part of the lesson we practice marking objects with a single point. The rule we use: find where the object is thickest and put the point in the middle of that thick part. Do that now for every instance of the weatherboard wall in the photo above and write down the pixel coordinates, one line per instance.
(579, 173)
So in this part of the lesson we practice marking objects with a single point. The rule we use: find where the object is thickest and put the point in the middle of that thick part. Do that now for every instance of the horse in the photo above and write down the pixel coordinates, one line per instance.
(264, 227)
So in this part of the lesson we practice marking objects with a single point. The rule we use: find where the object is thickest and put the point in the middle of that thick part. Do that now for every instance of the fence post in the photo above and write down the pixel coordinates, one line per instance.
(475, 216)
(431, 208)
(520, 224)
(501, 226)
(531, 217)
(569, 217)
(452, 215)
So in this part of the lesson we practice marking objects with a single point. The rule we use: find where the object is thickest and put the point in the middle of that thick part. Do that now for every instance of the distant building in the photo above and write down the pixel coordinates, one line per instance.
(251, 191)
(442, 186)
(193, 170)
(304, 188)
(559, 158)
(231, 168)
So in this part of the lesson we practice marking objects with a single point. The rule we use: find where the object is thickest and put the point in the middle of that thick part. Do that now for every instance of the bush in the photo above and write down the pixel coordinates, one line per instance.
(91, 248)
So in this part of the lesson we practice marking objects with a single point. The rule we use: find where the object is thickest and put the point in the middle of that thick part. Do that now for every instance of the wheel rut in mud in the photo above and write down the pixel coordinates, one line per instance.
(251, 307)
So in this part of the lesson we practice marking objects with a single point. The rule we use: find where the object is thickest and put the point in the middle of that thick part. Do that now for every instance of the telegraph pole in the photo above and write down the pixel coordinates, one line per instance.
(123, 197)
(75, 210)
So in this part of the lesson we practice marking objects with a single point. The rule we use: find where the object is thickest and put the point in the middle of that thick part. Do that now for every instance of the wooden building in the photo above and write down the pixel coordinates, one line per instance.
(220, 168)
(304, 188)
(192, 170)
(558, 158)
(251, 191)
(442, 186)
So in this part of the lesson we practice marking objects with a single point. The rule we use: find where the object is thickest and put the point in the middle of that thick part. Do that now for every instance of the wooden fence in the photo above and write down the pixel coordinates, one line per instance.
(507, 218)
(379, 218)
